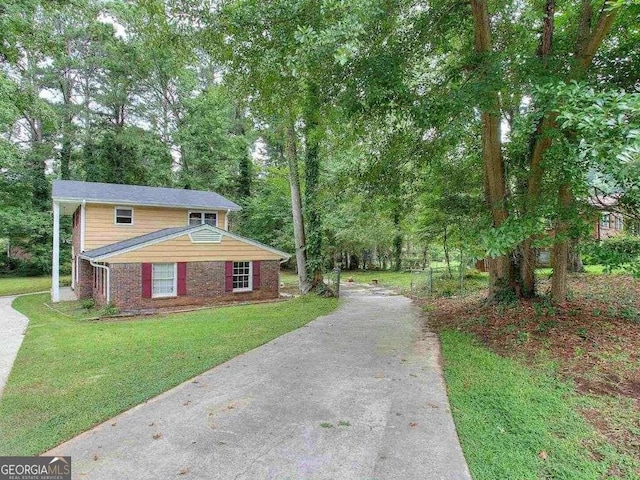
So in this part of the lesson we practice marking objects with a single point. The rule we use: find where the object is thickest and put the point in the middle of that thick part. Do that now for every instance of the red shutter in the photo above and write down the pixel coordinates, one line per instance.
(228, 276)
(256, 274)
(182, 278)
(146, 280)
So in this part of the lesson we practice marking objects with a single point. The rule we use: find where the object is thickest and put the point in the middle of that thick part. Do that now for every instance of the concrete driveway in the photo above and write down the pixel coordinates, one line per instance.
(357, 394)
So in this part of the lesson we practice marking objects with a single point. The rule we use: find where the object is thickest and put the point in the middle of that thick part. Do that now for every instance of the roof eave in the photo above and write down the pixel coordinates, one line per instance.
(235, 208)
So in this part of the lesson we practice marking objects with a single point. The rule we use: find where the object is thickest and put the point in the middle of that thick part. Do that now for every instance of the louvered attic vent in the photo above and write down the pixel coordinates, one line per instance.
(205, 236)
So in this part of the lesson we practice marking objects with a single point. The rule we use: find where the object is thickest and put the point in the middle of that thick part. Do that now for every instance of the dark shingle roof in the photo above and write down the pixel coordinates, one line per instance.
(139, 195)
(135, 241)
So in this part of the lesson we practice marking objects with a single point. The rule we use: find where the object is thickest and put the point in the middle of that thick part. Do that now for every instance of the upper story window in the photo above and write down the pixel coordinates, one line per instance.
(619, 223)
(123, 216)
(604, 221)
(200, 218)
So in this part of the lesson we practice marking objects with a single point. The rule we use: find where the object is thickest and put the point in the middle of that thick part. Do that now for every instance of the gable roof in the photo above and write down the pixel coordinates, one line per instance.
(113, 193)
(131, 244)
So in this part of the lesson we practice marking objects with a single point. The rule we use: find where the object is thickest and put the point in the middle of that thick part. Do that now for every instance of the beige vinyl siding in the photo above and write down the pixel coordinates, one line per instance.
(182, 250)
(101, 229)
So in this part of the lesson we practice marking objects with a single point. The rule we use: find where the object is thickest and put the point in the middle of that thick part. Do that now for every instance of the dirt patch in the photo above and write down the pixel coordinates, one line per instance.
(593, 341)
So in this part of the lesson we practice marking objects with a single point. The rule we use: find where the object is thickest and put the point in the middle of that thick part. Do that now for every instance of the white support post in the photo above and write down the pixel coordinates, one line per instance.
(55, 269)
(83, 224)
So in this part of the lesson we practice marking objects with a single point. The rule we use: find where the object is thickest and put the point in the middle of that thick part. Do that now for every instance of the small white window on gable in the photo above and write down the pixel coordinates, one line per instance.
(200, 218)
(123, 216)
(205, 236)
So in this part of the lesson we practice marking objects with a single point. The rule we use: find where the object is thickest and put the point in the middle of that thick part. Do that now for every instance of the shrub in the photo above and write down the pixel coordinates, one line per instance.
(621, 252)
(109, 310)
(88, 303)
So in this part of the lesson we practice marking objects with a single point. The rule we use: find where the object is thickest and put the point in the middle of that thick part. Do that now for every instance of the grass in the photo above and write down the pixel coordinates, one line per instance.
(10, 285)
(72, 374)
(588, 269)
(517, 423)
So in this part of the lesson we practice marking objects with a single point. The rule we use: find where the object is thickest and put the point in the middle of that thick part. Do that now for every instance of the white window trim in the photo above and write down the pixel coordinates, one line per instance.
(115, 216)
(619, 222)
(250, 287)
(202, 212)
(175, 282)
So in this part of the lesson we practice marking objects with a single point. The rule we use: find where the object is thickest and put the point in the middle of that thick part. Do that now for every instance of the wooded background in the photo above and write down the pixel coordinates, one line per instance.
(402, 130)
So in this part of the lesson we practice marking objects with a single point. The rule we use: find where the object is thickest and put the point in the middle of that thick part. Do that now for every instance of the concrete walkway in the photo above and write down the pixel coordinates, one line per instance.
(357, 394)
(12, 328)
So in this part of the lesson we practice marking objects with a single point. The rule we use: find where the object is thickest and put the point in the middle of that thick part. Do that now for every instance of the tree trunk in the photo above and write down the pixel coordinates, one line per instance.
(500, 280)
(575, 262)
(587, 43)
(560, 252)
(291, 153)
(425, 253)
(539, 145)
(445, 245)
(397, 240)
(65, 157)
(312, 181)
(528, 269)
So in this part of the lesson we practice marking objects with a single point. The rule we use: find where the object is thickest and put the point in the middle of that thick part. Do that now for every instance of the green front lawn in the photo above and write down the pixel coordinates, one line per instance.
(19, 285)
(514, 422)
(72, 374)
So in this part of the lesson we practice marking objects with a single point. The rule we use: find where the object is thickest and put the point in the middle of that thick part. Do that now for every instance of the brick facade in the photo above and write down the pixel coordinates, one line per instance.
(205, 285)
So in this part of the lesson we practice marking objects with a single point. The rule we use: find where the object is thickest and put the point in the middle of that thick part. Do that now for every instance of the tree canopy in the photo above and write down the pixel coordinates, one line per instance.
(352, 132)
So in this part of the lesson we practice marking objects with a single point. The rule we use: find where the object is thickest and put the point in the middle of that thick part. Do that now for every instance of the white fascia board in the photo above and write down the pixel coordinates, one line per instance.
(143, 204)
(252, 242)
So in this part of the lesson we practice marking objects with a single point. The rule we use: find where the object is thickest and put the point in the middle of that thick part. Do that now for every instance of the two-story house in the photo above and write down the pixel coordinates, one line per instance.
(143, 247)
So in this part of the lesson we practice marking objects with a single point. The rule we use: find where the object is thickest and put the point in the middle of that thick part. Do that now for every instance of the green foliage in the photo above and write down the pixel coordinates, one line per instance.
(88, 303)
(621, 252)
(129, 155)
(109, 310)
(213, 143)
(266, 215)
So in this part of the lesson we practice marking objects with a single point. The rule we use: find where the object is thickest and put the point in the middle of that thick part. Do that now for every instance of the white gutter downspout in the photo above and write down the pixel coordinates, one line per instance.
(226, 220)
(96, 265)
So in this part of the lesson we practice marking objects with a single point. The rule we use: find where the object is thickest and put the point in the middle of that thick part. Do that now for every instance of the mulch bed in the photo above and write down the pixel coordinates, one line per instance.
(594, 340)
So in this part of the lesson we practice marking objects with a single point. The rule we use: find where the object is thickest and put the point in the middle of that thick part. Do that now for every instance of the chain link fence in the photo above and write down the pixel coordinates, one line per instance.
(446, 282)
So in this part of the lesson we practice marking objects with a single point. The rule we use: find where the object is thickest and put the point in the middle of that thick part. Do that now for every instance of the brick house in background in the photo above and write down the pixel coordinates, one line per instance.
(605, 224)
(146, 247)
(610, 223)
